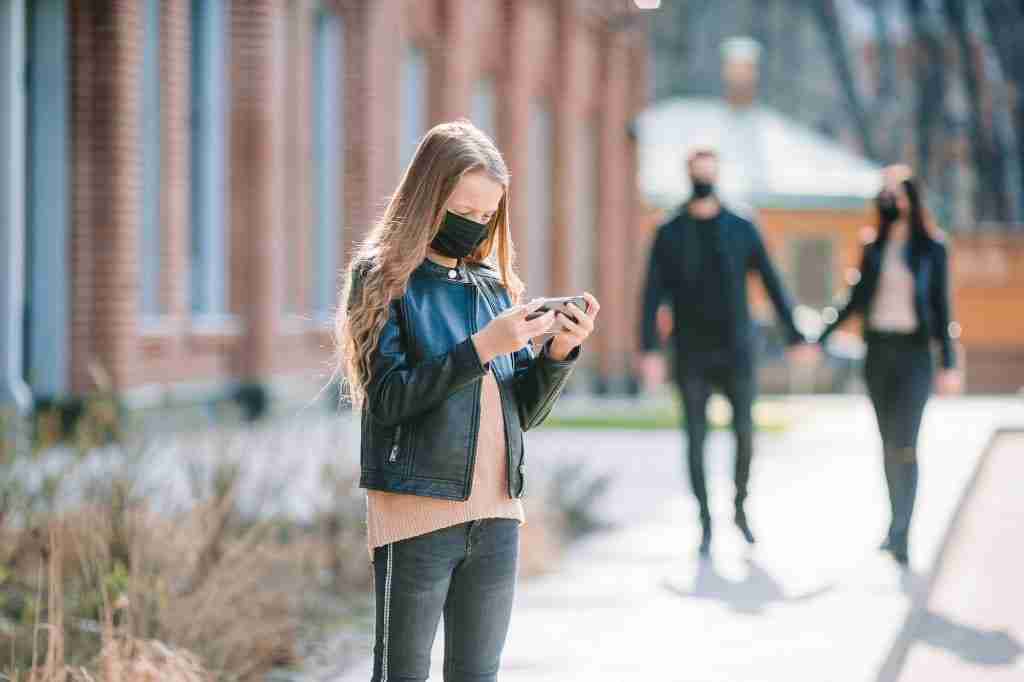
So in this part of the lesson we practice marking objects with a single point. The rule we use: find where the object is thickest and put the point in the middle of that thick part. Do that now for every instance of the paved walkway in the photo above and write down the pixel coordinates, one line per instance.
(814, 601)
(971, 628)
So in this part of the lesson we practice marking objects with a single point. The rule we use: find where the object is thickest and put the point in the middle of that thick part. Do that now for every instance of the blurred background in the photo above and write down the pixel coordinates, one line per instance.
(182, 181)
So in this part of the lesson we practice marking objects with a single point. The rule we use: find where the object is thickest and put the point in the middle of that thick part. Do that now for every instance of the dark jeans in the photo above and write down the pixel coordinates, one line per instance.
(736, 379)
(898, 370)
(466, 572)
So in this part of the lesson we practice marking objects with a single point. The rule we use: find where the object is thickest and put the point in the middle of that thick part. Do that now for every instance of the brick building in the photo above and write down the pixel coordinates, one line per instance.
(180, 182)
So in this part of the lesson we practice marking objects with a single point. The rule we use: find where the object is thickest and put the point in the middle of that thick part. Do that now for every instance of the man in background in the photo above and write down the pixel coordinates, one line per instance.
(698, 265)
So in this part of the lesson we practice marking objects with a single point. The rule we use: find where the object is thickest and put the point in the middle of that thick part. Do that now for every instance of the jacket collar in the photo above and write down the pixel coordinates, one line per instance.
(464, 270)
(438, 271)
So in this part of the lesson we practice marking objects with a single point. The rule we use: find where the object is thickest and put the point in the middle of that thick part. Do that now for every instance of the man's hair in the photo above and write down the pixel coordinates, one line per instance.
(702, 152)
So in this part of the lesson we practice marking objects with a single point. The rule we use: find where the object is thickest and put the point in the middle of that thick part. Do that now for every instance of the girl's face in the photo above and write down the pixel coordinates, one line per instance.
(476, 197)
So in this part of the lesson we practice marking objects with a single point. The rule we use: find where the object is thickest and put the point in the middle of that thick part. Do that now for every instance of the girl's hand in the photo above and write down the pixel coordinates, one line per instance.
(510, 331)
(573, 334)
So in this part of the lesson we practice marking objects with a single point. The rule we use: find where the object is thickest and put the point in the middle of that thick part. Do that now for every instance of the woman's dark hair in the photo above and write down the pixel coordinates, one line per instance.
(922, 228)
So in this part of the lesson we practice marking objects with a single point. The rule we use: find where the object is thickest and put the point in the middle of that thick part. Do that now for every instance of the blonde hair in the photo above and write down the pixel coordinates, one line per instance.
(397, 244)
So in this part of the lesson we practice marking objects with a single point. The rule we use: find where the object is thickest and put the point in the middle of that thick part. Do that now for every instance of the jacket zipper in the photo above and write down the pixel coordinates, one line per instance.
(393, 455)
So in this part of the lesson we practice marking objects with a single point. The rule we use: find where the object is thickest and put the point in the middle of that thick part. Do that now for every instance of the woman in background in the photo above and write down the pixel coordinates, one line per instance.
(903, 297)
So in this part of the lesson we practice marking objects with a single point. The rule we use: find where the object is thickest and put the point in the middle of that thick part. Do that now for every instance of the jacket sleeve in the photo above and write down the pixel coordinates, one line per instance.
(539, 380)
(776, 290)
(943, 328)
(399, 389)
(854, 302)
(653, 295)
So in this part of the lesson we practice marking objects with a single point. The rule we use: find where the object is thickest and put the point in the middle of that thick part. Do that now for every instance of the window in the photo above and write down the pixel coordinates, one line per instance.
(209, 142)
(328, 159)
(483, 106)
(150, 236)
(412, 105)
(539, 198)
(47, 210)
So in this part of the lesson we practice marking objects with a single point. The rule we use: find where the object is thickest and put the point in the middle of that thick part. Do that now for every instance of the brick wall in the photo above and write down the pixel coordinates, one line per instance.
(107, 58)
(563, 52)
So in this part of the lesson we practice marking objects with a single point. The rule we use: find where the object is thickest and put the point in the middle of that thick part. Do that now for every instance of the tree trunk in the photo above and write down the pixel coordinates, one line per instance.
(828, 23)
(929, 81)
(1005, 20)
(990, 197)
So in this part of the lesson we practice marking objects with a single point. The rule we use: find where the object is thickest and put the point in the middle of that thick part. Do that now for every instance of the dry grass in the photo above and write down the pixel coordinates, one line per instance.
(93, 590)
(105, 577)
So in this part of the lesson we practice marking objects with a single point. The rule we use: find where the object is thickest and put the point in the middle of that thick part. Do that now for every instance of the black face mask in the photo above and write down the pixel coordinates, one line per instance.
(458, 236)
(887, 208)
(702, 188)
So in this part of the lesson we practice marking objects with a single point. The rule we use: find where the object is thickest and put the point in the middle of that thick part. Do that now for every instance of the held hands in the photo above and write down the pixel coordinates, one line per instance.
(805, 354)
(949, 382)
(510, 331)
(651, 368)
(572, 334)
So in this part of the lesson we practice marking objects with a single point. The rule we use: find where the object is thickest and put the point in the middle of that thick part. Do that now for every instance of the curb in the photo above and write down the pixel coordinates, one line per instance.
(893, 665)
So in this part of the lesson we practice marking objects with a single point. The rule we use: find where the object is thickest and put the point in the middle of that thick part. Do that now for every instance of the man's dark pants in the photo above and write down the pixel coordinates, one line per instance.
(734, 376)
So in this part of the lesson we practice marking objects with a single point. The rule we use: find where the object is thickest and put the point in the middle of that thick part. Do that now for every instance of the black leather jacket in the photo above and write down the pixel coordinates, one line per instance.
(931, 294)
(421, 417)
(672, 274)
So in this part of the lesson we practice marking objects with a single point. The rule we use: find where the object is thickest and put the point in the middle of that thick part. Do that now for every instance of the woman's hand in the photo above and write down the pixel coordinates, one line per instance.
(510, 331)
(949, 382)
(573, 334)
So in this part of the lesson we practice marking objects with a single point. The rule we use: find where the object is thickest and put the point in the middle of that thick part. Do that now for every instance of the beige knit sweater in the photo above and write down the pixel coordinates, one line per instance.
(391, 517)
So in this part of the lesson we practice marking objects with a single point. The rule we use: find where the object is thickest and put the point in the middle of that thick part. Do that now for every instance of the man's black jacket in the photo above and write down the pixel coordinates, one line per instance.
(672, 276)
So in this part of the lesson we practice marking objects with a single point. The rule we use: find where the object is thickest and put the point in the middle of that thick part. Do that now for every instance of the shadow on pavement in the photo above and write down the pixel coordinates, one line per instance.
(975, 645)
(751, 595)
(970, 644)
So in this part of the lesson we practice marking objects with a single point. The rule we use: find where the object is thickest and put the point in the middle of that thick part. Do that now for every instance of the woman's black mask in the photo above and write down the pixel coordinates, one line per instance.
(887, 208)
(458, 236)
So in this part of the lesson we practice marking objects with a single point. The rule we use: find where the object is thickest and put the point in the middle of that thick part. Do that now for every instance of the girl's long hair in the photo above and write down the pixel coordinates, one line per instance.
(380, 269)
(923, 229)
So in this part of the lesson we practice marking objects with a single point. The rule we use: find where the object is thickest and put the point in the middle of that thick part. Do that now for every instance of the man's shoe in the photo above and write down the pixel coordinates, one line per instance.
(705, 538)
(897, 552)
(741, 523)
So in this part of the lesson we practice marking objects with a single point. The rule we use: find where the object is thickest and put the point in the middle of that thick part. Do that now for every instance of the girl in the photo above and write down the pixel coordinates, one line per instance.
(903, 295)
(437, 352)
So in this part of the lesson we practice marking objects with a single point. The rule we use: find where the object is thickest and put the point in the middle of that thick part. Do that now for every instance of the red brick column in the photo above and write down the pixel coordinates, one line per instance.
(297, 210)
(371, 101)
(107, 68)
(254, 180)
(513, 116)
(635, 238)
(175, 108)
(568, 119)
(614, 211)
(457, 58)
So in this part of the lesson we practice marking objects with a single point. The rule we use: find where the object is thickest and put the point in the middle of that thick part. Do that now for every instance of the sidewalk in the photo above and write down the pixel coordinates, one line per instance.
(971, 628)
(814, 601)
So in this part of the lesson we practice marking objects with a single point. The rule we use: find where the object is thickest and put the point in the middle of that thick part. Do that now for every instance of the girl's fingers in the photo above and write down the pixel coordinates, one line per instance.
(540, 325)
(532, 306)
(574, 329)
(593, 307)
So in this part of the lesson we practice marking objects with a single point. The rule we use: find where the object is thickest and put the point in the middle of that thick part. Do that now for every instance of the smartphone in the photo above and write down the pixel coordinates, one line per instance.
(557, 304)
